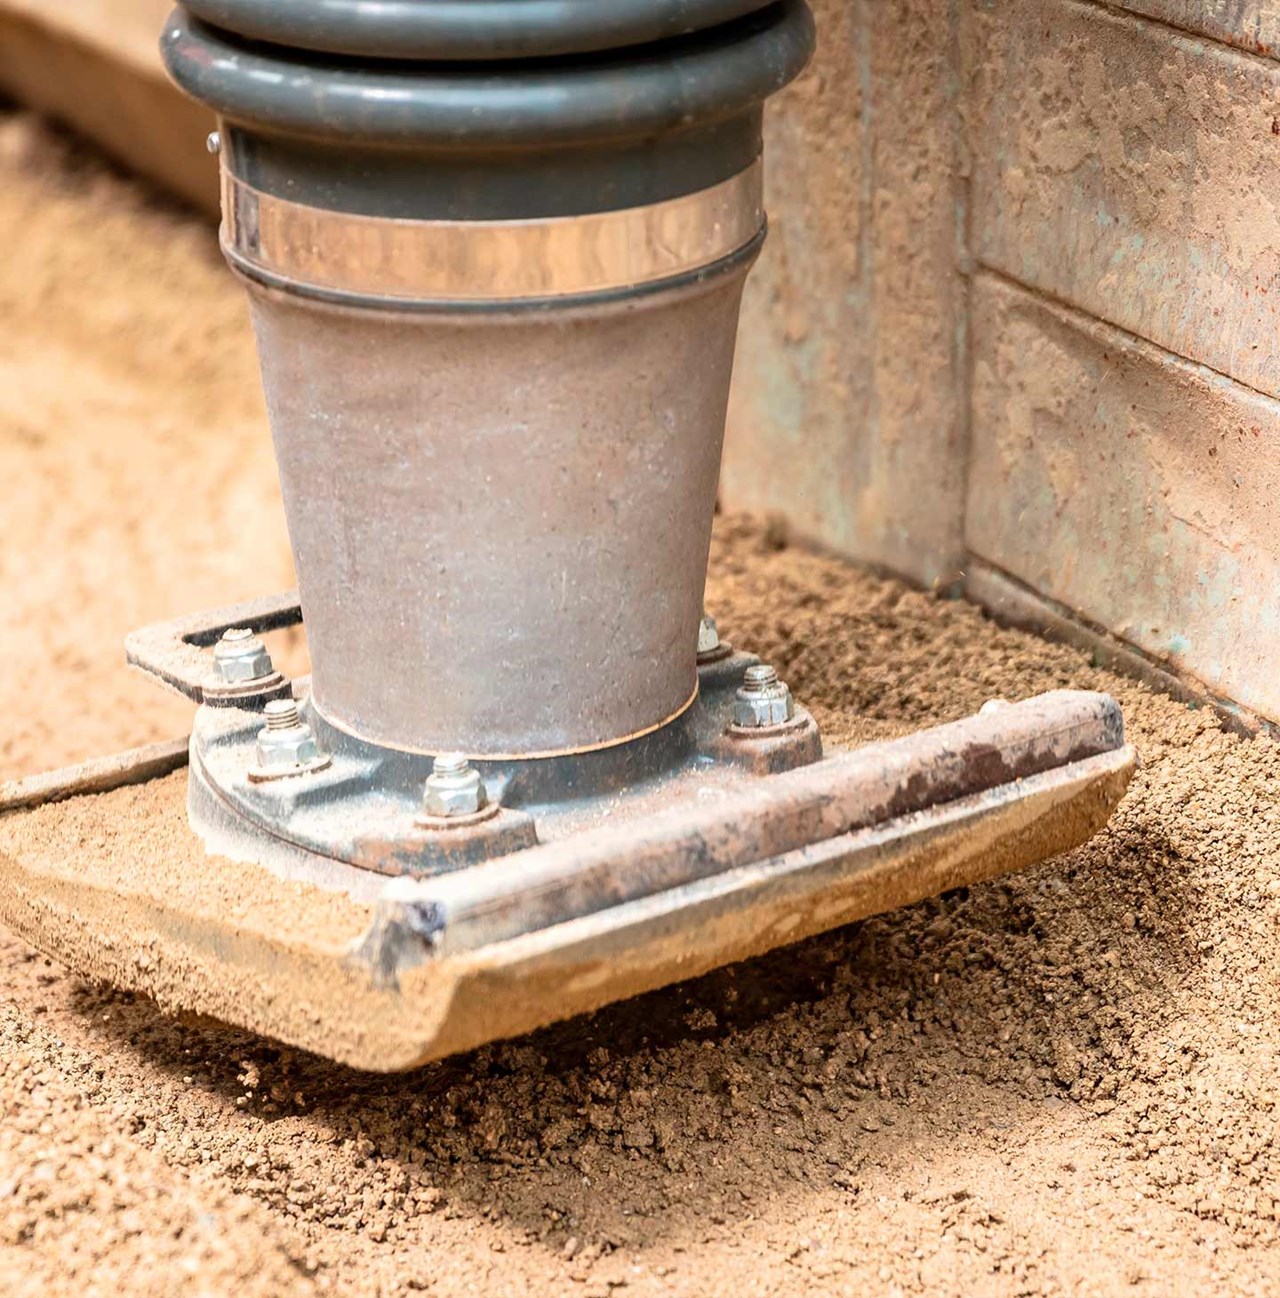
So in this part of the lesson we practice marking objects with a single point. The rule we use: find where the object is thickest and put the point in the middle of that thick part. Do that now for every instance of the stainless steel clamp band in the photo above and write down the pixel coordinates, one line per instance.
(347, 253)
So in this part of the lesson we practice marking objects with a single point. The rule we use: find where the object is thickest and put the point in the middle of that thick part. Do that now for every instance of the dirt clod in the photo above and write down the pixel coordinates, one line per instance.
(1062, 1083)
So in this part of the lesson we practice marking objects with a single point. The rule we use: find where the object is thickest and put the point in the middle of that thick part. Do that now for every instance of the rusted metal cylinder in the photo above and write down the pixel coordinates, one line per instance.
(496, 318)
(501, 521)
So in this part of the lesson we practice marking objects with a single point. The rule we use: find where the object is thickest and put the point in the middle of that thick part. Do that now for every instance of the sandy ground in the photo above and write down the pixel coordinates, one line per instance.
(1063, 1083)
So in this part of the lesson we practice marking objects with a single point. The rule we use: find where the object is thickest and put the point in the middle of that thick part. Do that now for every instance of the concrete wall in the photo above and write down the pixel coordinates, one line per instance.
(1125, 223)
(1061, 258)
(1130, 485)
(847, 414)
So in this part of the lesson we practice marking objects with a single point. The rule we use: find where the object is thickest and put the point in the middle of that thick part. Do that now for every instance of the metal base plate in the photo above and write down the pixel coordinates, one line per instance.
(345, 824)
(656, 861)
(358, 985)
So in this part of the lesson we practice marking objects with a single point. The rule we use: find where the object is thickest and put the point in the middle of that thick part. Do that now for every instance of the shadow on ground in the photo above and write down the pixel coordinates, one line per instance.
(788, 1069)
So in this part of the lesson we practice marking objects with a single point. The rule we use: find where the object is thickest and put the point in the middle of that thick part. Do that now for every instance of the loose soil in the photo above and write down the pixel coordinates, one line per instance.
(1062, 1083)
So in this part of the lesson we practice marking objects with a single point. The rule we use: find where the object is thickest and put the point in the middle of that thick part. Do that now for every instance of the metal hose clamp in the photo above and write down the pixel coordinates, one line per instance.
(349, 254)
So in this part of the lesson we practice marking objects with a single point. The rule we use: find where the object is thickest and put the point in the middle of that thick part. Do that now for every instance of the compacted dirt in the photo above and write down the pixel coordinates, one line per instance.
(1062, 1083)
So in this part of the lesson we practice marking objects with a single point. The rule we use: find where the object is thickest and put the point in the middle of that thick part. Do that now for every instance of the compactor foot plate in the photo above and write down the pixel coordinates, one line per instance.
(114, 883)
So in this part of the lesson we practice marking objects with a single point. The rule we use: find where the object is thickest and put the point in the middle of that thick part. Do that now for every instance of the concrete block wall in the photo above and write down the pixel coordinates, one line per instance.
(1090, 343)
(846, 413)
(1125, 235)
(1249, 24)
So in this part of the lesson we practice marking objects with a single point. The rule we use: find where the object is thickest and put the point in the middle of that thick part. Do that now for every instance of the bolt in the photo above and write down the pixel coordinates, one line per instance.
(454, 788)
(763, 699)
(708, 636)
(286, 741)
(282, 714)
(240, 657)
(213, 142)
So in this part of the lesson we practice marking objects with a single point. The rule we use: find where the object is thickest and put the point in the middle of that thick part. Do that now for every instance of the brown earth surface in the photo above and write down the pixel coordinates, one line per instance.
(1062, 1083)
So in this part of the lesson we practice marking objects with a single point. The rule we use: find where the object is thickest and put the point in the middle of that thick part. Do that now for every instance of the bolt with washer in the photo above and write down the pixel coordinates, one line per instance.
(240, 657)
(763, 700)
(454, 788)
(708, 637)
(286, 742)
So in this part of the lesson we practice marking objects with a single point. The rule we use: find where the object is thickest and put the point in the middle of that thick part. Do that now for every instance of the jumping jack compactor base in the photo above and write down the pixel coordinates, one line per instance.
(494, 269)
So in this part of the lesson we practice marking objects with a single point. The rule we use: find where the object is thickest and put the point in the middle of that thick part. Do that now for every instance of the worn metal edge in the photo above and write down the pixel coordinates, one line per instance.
(1011, 602)
(578, 966)
(97, 775)
(170, 653)
(313, 995)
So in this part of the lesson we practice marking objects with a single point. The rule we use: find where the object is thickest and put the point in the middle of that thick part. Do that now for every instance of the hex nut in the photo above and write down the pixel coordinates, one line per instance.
(454, 788)
(763, 700)
(241, 657)
(708, 636)
(286, 741)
